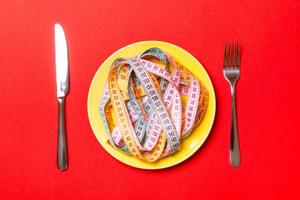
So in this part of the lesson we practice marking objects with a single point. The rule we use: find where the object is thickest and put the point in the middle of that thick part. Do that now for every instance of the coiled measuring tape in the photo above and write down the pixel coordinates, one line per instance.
(142, 106)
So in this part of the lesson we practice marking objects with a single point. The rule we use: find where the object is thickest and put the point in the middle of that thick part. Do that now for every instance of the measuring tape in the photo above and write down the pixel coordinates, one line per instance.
(142, 106)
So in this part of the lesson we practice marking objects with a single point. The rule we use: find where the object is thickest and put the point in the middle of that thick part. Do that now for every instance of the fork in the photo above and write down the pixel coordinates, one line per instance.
(231, 72)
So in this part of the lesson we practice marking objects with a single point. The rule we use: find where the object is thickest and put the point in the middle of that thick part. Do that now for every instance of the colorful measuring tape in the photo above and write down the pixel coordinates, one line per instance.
(142, 107)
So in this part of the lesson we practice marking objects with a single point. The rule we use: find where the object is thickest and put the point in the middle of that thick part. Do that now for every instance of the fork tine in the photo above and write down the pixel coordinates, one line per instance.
(234, 54)
(238, 54)
(231, 54)
(225, 55)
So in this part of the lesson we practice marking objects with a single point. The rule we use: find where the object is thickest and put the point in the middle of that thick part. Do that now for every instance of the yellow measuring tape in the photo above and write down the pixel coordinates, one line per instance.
(150, 103)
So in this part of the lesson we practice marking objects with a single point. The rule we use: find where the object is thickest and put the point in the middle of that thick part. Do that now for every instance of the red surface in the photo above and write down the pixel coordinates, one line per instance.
(268, 96)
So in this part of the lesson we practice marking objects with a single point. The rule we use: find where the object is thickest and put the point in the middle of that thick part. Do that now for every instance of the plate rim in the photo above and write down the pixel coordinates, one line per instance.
(190, 152)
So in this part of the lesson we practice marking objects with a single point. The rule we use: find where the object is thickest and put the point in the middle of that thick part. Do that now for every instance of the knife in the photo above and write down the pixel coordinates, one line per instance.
(62, 88)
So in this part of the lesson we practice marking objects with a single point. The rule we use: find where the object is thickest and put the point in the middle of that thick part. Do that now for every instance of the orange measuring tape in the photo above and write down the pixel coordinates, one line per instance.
(150, 103)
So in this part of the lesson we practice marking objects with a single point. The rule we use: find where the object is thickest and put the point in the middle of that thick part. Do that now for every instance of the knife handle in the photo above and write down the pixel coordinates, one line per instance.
(62, 160)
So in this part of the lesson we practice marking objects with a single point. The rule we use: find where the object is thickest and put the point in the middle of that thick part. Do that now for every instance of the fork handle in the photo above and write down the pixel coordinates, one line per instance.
(62, 161)
(234, 138)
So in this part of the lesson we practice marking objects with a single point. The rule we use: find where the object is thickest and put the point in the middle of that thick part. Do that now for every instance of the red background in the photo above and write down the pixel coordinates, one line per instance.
(267, 97)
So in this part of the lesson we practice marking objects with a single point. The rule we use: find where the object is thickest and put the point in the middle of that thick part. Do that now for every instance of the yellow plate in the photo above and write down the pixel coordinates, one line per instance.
(189, 145)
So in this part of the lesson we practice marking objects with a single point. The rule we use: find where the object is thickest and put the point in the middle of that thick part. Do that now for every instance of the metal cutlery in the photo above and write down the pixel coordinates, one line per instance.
(231, 71)
(62, 88)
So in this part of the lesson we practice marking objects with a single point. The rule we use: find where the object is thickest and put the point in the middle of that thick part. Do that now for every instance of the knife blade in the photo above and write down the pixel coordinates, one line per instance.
(62, 89)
